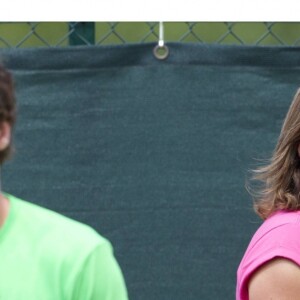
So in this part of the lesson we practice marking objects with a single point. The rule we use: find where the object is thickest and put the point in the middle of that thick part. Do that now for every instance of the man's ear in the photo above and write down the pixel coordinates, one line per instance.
(5, 135)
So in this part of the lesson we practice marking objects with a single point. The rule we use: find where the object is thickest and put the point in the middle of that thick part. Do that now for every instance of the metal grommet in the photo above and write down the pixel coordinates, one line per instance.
(161, 52)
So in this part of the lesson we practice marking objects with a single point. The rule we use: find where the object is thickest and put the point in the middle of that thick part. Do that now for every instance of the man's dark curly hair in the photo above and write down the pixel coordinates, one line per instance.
(7, 106)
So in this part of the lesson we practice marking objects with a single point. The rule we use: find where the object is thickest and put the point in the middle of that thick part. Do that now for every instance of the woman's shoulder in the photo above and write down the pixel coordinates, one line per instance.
(273, 228)
(278, 279)
(278, 236)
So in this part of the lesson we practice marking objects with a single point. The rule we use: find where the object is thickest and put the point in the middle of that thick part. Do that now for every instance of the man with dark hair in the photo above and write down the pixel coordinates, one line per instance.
(44, 255)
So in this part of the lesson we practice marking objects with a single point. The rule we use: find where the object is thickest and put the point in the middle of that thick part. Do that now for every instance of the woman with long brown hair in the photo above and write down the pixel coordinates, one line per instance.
(270, 268)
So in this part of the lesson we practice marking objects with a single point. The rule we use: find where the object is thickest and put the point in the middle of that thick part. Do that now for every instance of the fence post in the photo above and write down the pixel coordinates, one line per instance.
(82, 33)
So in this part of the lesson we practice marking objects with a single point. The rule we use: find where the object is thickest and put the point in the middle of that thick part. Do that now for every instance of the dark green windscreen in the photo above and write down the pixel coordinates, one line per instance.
(153, 154)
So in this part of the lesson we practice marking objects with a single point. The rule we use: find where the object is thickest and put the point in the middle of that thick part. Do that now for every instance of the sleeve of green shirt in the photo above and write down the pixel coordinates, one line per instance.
(101, 277)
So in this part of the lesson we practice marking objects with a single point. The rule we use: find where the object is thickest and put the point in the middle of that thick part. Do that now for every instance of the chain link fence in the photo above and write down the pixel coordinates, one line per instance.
(55, 34)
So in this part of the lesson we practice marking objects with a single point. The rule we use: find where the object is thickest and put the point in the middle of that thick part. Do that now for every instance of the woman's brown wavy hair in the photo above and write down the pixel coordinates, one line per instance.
(281, 177)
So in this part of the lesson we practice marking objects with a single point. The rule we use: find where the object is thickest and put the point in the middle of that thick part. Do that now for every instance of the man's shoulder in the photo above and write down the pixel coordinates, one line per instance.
(48, 227)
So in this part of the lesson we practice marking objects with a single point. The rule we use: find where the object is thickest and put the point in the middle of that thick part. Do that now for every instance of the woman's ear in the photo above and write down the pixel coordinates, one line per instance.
(5, 135)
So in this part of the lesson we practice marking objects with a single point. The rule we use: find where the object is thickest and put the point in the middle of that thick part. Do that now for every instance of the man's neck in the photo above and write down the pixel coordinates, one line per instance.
(4, 208)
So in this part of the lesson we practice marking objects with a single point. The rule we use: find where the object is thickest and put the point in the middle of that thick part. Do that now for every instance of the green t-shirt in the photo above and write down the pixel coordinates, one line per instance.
(46, 256)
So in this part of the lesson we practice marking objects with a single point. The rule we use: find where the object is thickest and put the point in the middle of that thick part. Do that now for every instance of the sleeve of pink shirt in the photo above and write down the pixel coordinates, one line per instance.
(279, 241)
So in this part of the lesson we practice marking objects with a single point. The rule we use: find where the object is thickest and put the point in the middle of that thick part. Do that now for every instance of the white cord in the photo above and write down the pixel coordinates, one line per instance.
(161, 51)
(161, 41)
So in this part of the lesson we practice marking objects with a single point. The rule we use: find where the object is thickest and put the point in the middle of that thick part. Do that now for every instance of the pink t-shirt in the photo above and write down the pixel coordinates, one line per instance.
(278, 236)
